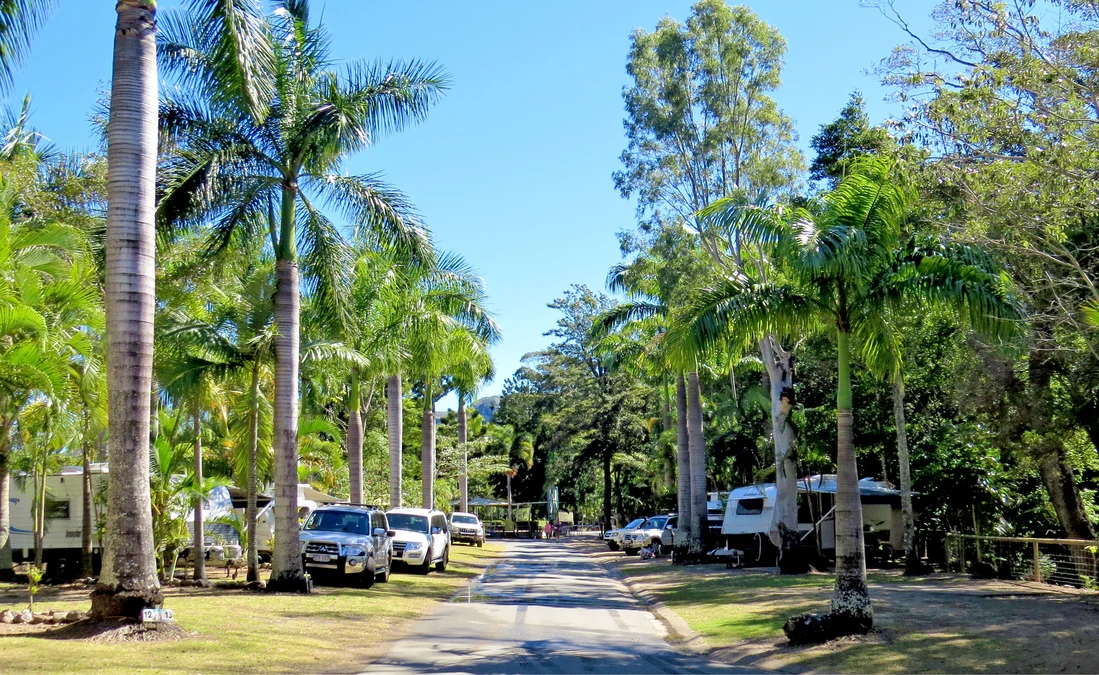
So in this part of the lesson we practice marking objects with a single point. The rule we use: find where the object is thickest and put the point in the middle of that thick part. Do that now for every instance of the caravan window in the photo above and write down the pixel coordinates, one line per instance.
(57, 509)
(749, 507)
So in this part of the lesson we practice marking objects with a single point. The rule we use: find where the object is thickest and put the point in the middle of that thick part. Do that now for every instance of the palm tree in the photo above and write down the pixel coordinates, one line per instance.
(276, 133)
(394, 426)
(468, 376)
(448, 327)
(129, 582)
(19, 20)
(647, 311)
(840, 268)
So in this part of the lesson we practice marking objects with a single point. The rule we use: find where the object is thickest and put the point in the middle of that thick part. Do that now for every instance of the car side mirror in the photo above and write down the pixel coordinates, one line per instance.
(391, 533)
(379, 532)
(435, 530)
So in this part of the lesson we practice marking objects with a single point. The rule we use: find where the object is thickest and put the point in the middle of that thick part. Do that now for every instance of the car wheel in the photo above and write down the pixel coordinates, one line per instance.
(366, 577)
(426, 567)
(441, 565)
(630, 551)
(480, 543)
(383, 576)
(613, 545)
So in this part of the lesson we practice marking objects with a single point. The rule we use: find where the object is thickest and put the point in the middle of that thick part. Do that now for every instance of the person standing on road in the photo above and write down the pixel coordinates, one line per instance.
(548, 530)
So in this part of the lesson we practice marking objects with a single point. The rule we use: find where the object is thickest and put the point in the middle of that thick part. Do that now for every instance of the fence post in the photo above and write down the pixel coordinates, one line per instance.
(1037, 567)
(961, 555)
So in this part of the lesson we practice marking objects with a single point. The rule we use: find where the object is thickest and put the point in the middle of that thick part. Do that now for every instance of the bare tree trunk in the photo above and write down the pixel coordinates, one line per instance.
(911, 555)
(851, 603)
(6, 571)
(199, 545)
(355, 440)
(253, 450)
(427, 454)
(784, 520)
(86, 558)
(696, 443)
(683, 458)
(395, 431)
(129, 581)
(286, 572)
(463, 479)
(39, 512)
(608, 491)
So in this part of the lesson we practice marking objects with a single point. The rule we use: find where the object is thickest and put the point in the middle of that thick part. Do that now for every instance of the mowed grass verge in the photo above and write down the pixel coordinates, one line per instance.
(333, 630)
(936, 624)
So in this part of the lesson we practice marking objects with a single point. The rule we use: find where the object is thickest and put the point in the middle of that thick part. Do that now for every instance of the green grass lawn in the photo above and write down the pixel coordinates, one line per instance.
(332, 630)
(942, 624)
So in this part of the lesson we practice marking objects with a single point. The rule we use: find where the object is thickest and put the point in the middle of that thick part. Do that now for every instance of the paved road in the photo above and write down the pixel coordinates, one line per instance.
(544, 608)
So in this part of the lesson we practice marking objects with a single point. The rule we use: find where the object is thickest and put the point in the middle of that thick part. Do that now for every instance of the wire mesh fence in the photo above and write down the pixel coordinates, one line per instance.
(1062, 562)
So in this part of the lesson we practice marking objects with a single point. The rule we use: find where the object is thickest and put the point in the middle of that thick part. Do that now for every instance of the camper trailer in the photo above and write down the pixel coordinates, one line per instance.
(64, 518)
(308, 499)
(749, 510)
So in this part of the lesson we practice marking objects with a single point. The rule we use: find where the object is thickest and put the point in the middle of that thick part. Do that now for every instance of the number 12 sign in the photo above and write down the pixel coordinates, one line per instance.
(154, 615)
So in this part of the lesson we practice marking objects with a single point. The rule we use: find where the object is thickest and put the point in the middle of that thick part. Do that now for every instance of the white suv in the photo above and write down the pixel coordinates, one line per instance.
(649, 533)
(421, 538)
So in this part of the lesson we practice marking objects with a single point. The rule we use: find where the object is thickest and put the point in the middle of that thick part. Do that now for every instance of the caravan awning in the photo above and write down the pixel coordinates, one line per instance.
(308, 492)
(240, 498)
(868, 487)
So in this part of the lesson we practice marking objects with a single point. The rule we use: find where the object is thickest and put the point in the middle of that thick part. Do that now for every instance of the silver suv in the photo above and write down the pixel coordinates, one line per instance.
(352, 542)
(467, 527)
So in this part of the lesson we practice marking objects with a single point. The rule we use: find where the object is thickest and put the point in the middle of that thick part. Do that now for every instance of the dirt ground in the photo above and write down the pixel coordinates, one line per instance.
(937, 623)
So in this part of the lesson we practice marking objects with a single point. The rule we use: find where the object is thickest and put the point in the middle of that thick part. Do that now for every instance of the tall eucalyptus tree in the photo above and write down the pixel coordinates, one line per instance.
(262, 121)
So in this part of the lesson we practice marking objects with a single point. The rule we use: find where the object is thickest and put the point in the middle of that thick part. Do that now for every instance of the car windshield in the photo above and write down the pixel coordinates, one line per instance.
(655, 523)
(339, 521)
(464, 520)
(408, 521)
(634, 523)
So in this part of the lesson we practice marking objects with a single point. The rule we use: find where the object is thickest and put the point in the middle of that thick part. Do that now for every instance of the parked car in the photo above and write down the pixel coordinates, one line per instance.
(649, 533)
(467, 527)
(614, 537)
(421, 539)
(350, 542)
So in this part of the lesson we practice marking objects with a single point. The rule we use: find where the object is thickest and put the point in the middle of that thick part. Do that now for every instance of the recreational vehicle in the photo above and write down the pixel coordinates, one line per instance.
(308, 500)
(64, 518)
(750, 509)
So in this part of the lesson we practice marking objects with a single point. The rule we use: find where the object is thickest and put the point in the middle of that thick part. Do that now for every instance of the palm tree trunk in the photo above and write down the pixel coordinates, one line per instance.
(696, 444)
(86, 562)
(286, 572)
(608, 489)
(851, 603)
(427, 454)
(128, 583)
(200, 525)
(6, 564)
(784, 520)
(395, 430)
(355, 440)
(253, 449)
(911, 555)
(463, 479)
(683, 458)
(39, 511)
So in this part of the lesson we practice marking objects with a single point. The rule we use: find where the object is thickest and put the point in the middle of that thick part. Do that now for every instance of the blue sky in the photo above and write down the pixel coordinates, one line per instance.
(513, 168)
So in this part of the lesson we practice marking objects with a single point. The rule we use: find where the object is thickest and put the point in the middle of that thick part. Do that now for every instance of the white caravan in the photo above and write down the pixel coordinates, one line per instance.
(749, 511)
(308, 499)
(64, 517)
